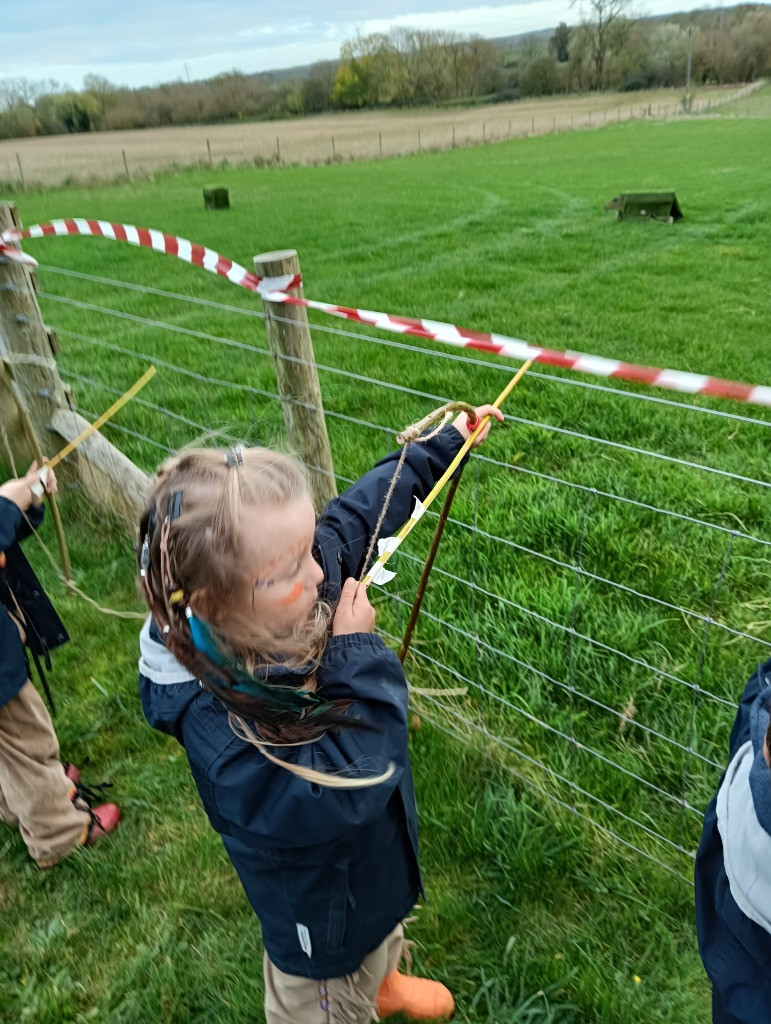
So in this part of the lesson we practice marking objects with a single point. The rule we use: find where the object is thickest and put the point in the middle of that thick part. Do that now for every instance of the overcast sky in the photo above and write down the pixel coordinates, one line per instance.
(142, 42)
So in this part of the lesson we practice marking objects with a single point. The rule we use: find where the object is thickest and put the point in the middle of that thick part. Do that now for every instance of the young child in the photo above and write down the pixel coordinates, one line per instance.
(259, 657)
(37, 793)
(733, 868)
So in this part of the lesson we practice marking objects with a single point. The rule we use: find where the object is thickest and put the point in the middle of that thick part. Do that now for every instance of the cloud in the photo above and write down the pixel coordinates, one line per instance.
(147, 41)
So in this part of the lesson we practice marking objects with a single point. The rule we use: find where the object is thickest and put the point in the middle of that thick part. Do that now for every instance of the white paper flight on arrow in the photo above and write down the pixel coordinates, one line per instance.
(379, 575)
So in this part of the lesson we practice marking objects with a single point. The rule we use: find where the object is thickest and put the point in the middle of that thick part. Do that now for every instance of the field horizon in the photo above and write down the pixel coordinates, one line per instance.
(92, 157)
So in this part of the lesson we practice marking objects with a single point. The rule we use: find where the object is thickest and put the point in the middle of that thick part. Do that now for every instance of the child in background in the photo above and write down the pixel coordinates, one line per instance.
(733, 868)
(259, 658)
(37, 793)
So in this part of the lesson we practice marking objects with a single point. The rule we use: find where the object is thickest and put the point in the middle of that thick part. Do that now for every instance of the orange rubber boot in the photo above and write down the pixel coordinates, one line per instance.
(416, 998)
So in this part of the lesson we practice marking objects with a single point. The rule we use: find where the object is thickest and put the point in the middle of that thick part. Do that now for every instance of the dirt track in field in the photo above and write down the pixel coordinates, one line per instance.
(108, 156)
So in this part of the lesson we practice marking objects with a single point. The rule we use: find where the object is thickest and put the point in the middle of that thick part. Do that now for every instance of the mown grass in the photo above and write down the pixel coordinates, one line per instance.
(757, 104)
(525, 897)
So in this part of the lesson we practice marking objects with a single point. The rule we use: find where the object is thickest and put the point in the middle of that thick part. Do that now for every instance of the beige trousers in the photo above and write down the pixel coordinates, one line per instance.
(348, 1000)
(35, 794)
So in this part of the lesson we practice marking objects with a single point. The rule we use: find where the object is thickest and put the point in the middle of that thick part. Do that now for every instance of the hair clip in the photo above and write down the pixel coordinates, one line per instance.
(174, 506)
(144, 556)
(234, 457)
(177, 596)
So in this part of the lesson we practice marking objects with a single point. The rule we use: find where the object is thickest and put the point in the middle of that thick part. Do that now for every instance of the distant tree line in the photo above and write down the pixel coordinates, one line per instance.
(406, 67)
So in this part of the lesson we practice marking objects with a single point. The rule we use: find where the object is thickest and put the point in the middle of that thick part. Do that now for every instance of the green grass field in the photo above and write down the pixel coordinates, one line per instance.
(533, 915)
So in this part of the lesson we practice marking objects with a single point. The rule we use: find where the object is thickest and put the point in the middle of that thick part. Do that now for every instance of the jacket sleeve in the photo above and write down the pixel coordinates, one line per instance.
(348, 521)
(10, 521)
(13, 522)
(13, 667)
(757, 682)
(260, 801)
(30, 520)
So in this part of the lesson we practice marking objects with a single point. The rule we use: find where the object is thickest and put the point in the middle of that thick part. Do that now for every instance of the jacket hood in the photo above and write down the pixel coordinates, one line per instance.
(165, 686)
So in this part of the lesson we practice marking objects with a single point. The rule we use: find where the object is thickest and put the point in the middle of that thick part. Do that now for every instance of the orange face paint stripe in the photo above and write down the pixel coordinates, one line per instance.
(293, 595)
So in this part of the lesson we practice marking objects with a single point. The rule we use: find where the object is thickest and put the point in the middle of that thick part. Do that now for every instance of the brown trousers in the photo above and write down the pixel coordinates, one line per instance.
(35, 794)
(349, 1000)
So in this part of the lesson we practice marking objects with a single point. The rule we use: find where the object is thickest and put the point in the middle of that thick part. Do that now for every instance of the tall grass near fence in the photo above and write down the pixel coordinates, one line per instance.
(601, 591)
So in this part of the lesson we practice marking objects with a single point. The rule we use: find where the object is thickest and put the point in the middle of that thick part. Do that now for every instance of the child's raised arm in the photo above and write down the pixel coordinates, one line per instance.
(347, 523)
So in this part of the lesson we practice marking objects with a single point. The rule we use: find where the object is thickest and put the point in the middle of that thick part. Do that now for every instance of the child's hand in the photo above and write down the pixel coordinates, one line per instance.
(482, 410)
(45, 478)
(20, 491)
(354, 613)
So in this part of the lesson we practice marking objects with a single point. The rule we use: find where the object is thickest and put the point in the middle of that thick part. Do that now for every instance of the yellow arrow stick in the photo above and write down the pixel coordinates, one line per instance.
(396, 541)
(93, 427)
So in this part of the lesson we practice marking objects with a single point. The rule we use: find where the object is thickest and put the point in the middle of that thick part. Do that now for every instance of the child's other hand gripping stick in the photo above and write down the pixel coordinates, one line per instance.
(354, 613)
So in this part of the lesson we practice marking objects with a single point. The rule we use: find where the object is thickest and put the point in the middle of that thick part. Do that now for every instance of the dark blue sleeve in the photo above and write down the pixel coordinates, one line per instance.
(13, 667)
(30, 520)
(256, 799)
(13, 522)
(10, 521)
(741, 728)
(348, 521)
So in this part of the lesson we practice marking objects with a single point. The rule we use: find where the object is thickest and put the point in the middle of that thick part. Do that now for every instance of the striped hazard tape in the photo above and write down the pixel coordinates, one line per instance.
(515, 348)
(148, 238)
(275, 290)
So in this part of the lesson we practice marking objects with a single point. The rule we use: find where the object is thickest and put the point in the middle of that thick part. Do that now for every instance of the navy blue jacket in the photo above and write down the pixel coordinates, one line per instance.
(736, 950)
(43, 626)
(329, 872)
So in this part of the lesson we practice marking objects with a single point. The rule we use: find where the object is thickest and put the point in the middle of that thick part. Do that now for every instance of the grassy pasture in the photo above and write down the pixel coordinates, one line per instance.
(757, 104)
(533, 916)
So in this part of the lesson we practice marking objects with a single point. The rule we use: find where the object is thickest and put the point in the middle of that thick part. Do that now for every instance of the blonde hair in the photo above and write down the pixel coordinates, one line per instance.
(191, 542)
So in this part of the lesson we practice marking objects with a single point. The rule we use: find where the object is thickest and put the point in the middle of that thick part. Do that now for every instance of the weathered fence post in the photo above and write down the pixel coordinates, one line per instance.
(109, 478)
(290, 342)
(25, 343)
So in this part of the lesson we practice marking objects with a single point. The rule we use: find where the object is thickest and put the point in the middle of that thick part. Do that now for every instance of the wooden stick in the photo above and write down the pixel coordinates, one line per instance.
(421, 591)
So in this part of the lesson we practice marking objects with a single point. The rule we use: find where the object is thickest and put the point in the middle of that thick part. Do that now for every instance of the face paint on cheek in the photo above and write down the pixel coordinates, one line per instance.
(294, 595)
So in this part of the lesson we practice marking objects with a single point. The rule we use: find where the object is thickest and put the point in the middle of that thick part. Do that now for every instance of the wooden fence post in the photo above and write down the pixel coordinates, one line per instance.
(290, 342)
(24, 342)
(108, 477)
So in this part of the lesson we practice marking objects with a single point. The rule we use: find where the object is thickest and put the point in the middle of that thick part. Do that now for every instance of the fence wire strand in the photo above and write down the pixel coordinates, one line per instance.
(574, 686)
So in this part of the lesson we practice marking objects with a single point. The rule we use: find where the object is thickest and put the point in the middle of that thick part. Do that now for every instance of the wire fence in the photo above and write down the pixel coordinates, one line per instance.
(600, 592)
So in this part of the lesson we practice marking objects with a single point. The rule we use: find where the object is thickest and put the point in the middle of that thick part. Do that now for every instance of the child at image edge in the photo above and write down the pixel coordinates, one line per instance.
(733, 868)
(259, 658)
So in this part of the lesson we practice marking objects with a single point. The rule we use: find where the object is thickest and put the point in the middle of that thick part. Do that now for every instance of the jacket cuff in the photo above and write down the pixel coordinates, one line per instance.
(343, 641)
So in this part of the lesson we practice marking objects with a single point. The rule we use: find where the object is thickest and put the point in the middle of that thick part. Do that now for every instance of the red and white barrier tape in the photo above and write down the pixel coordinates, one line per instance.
(515, 348)
(275, 289)
(149, 238)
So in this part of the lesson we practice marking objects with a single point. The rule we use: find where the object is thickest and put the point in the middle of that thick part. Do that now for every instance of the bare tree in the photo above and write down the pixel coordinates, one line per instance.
(602, 23)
